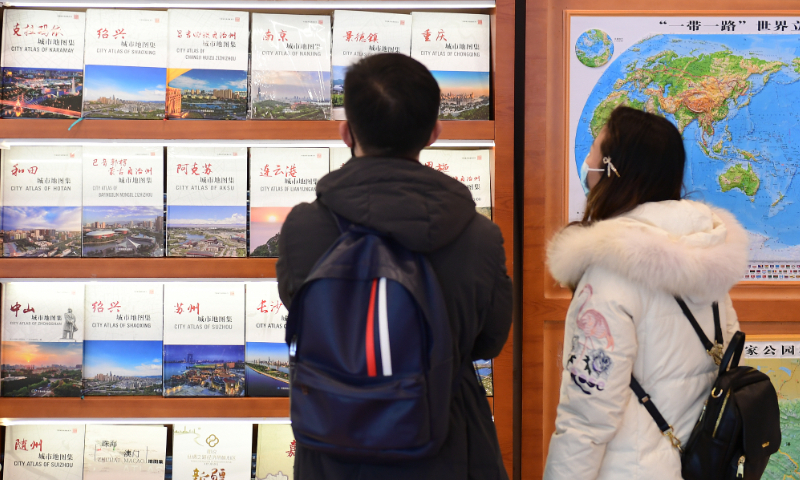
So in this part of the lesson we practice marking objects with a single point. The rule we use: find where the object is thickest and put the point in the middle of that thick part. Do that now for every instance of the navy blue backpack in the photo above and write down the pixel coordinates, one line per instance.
(371, 352)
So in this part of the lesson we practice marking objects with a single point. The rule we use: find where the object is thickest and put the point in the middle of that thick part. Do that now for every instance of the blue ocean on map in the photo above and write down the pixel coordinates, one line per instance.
(760, 131)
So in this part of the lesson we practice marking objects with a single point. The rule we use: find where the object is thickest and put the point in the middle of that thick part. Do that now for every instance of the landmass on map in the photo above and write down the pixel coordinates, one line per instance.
(732, 98)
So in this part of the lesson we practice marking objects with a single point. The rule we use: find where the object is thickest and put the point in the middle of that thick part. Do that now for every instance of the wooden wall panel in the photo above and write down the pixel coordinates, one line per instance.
(544, 304)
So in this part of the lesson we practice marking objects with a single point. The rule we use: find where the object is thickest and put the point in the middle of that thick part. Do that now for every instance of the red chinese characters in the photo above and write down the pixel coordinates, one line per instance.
(15, 170)
(22, 444)
(191, 308)
(15, 308)
(273, 307)
(268, 36)
(42, 30)
(98, 306)
(349, 36)
(291, 171)
(195, 169)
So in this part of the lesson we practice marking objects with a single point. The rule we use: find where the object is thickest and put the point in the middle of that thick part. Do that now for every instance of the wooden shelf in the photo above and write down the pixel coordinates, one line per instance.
(142, 407)
(137, 268)
(209, 129)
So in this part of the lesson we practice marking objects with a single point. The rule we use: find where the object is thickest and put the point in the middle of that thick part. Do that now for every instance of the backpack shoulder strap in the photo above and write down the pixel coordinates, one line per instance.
(663, 425)
(714, 349)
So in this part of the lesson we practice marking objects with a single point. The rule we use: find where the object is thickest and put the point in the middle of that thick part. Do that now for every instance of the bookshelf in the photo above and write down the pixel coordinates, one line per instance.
(496, 134)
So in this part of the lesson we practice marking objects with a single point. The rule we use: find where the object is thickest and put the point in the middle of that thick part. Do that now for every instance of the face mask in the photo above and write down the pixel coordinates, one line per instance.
(584, 175)
(353, 139)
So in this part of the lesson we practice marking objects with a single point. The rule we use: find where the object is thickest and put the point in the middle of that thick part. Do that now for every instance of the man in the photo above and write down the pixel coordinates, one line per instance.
(392, 105)
(69, 327)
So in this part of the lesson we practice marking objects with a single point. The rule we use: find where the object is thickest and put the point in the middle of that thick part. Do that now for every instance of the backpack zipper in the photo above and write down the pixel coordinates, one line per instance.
(721, 411)
(740, 468)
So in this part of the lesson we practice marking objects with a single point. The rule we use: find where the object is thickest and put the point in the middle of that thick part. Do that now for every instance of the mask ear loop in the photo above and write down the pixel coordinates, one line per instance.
(610, 166)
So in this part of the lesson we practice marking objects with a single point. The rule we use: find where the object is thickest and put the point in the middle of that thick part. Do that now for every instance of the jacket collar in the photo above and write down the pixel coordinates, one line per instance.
(681, 247)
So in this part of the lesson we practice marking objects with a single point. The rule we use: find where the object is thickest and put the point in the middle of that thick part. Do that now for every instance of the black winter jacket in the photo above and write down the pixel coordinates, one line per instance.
(428, 212)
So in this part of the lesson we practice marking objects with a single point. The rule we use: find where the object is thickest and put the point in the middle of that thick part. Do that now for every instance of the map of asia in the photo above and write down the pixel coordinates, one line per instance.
(731, 86)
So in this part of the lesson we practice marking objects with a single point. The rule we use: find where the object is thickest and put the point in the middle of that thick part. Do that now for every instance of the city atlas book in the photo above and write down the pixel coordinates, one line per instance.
(484, 370)
(280, 178)
(124, 452)
(122, 347)
(204, 339)
(42, 339)
(275, 452)
(207, 64)
(339, 156)
(41, 214)
(44, 452)
(455, 48)
(470, 167)
(42, 63)
(205, 450)
(207, 202)
(291, 67)
(123, 202)
(126, 64)
(359, 34)
(266, 355)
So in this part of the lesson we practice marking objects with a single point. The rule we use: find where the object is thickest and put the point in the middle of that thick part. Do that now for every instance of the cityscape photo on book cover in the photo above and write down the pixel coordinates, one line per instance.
(204, 370)
(123, 232)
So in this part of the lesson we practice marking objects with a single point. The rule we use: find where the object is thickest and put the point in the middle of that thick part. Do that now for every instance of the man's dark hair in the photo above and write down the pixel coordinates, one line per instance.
(392, 104)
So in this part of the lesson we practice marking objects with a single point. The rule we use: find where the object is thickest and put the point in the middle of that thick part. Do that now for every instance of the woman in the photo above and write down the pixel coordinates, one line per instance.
(638, 246)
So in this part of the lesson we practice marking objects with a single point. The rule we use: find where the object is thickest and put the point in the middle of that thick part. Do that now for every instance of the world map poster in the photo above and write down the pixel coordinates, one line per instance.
(731, 85)
(778, 356)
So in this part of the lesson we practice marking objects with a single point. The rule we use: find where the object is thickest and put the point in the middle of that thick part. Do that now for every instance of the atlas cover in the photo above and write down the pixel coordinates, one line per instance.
(455, 48)
(125, 452)
(44, 452)
(207, 202)
(123, 201)
(267, 354)
(222, 450)
(207, 64)
(339, 156)
(280, 178)
(122, 348)
(42, 339)
(275, 452)
(291, 67)
(42, 63)
(359, 34)
(126, 64)
(204, 339)
(470, 167)
(41, 201)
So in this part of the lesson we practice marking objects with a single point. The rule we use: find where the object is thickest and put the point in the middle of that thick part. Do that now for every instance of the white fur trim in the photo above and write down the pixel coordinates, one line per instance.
(706, 264)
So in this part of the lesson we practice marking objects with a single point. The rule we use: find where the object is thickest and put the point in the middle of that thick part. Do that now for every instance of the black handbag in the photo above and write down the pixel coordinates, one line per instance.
(739, 427)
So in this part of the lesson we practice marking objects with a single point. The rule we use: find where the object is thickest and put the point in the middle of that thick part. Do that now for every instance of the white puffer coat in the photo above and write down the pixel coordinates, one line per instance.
(624, 320)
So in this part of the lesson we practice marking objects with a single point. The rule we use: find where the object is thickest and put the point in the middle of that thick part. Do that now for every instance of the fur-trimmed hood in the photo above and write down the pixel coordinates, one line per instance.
(682, 247)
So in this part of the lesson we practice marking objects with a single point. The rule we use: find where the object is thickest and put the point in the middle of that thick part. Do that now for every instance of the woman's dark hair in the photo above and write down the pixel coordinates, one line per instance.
(647, 151)
(392, 104)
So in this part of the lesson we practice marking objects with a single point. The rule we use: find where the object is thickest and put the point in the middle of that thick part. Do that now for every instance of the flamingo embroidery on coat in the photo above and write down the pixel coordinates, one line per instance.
(589, 344)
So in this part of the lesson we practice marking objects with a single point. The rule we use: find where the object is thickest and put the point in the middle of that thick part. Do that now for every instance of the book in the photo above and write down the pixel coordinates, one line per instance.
(122, 347)
(483, 369)
(206, 202)
(470, 167)
(455, 48)
(124, 452)
(41, 201)
(44, 452)
(266, 355)
(207, 64)
(222, 450)
(275, 452)
(291, 67)
(280, 178)
(359, 34)
(123, 202)
(339, 156)
(42, 339)
(204, 339)
(126, 64)
(42, 63)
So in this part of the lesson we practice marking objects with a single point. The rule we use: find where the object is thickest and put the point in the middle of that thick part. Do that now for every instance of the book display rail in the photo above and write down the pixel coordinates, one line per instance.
(495, 134)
